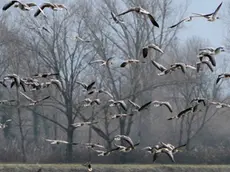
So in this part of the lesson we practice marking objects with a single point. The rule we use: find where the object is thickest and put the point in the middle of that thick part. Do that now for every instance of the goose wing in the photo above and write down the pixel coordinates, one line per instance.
(90, 85)
(127, 139)
(208, 64)
(42, 7)
(217, 9)
(123, 105)
(158, 66)
(134, 104)
(170, 155)
(183, 112)
(155, 156)
(168, 105)
(127, 11)
(82, 84)
(124, 64)
(8, 5)
(155, 47)
(144, 106)
(47, 97)
(211, 58)
(185, 19)
(152, 19)
(27, 97)
(180, 146)
(219, 78)
(145, 51)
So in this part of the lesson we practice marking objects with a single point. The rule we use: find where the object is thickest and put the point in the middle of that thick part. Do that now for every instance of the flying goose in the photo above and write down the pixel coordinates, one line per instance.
(142, 107)
(106, 152)
(121, 115)
(34, 102)
(118, 103)
(173, 67)
(198, 65)
(16, 80)
(163, 150)
(103, 62)
(223, 75)
(52, 6)
(44, 75)
(85, 86)
(89, 166)
(187, 19)
(220, 105)
(153, 46)
(125, 149)
(130, 61)
(184, 112)
(212, 16)
(4, 125)
(53, 142)
(127, 139)
(93, 145)
(90, 102)
(142, 11)
(212, 51)
(54, 82)
(209, 56)
(19, 4)
(80, 124)
(161, 103)
(171, 147)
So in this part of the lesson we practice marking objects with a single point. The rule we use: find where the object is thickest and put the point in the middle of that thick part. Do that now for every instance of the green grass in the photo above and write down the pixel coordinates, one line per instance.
(113, 168)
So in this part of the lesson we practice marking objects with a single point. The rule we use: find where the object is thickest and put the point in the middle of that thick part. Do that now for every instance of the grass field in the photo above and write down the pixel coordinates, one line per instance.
(113, 168)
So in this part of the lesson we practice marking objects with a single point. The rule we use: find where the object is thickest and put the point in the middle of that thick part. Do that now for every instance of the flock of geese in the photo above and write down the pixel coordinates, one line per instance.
(206, 56)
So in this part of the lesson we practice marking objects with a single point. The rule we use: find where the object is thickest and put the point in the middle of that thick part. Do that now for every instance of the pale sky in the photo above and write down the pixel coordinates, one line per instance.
(212, 31)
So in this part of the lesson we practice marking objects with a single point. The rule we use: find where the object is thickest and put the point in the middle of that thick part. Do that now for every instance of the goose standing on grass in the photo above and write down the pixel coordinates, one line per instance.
(187, 19)
(161, 103)
(142, 11)
(221, 76)
(198, 65)
(138, 107)
(212, 16)
(146, 49)
(89, 166)
(118, 103)
(33, 102)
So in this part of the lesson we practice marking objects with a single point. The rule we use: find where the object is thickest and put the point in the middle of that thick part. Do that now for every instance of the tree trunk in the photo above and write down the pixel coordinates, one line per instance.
(69, 150)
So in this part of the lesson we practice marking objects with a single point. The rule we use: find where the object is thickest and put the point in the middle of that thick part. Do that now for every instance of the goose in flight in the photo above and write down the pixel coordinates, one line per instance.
(80, 124)
(86, 86)
(184, 112)
(16, 81)
(121, 115)
(126, 149)
(220, 105)
(161, 103)
(159, 66)
(55, 82)
(130, 61)
(53, 142)
(221, 76)
(212, 16)
(52, 6)
(211, 51)
(4, 125)
(118, 103)
(19, 4)
(159, 150)
(187, 19)
(127, 139)
(171, 147)
(198, 65)
(34, 102)
(173, 67)
(93, 145)
(142, 11)
(90, 102)
(138, 107)
(45, 75)
(106, 152)
(103, 62)
(145, 49)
